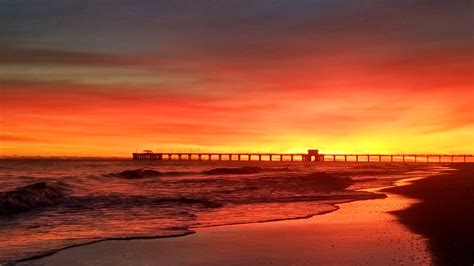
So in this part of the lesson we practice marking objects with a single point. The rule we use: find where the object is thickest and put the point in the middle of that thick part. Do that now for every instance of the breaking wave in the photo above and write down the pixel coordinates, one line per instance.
(246, 170)
(136, 174)
(143, 173)
(322, 181)
(30, 197)
(148, 173)
(45, 194)
(120, 201)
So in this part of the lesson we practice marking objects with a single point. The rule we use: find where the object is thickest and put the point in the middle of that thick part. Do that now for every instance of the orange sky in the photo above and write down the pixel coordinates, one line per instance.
(101, 80)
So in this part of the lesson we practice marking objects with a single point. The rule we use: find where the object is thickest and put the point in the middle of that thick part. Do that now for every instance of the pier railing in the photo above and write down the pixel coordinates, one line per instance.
(311, 156)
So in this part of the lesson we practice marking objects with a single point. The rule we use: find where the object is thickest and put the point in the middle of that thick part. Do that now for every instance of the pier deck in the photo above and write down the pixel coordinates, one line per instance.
(311, 156)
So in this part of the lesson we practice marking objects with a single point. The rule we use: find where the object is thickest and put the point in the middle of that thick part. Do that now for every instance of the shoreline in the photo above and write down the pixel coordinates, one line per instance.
(51, 253)
(193, 230)
(202, 235)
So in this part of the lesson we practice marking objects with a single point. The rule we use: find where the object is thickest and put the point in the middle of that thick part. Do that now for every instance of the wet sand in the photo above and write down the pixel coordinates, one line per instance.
(360, 232)
(444, 215)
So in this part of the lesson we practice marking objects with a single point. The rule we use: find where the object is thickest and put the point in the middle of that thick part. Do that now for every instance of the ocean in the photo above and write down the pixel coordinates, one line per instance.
(47, 205)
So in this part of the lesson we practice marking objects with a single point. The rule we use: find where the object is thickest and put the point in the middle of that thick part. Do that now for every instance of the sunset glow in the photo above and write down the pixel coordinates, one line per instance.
(93, 79)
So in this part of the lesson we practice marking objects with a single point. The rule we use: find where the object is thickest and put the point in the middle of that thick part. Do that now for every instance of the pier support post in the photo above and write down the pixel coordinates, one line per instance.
(199, 157)
(293, 156)
(281, 157)
(260, 157)
(334, 158)
(403, 158)
(452, 158)
(220, 157)
(238, 157)
(357, 158)
(380, 158)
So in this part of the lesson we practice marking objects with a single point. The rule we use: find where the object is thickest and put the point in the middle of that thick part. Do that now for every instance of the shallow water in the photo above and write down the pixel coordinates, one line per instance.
(46, 205)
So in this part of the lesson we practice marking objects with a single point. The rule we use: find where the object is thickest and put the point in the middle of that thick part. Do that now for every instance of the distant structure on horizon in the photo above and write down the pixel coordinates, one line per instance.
(312, 155)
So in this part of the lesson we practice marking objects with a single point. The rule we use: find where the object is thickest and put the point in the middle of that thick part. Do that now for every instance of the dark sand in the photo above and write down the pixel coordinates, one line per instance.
(444, 215)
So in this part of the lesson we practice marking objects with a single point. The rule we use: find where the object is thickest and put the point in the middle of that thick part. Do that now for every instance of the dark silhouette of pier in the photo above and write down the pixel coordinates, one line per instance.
(310, 156)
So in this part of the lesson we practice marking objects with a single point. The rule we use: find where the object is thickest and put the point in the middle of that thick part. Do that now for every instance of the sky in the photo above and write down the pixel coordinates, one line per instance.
(107, 78)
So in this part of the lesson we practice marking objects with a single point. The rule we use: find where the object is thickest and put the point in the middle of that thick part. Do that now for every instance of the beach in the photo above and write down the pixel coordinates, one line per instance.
(386, 231)
(50, 205)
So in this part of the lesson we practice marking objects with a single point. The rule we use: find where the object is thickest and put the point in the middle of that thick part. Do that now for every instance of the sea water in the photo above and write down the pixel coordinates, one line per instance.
(46, 205)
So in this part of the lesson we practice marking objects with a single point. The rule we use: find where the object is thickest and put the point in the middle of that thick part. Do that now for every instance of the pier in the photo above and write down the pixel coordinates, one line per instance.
(310, 156)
